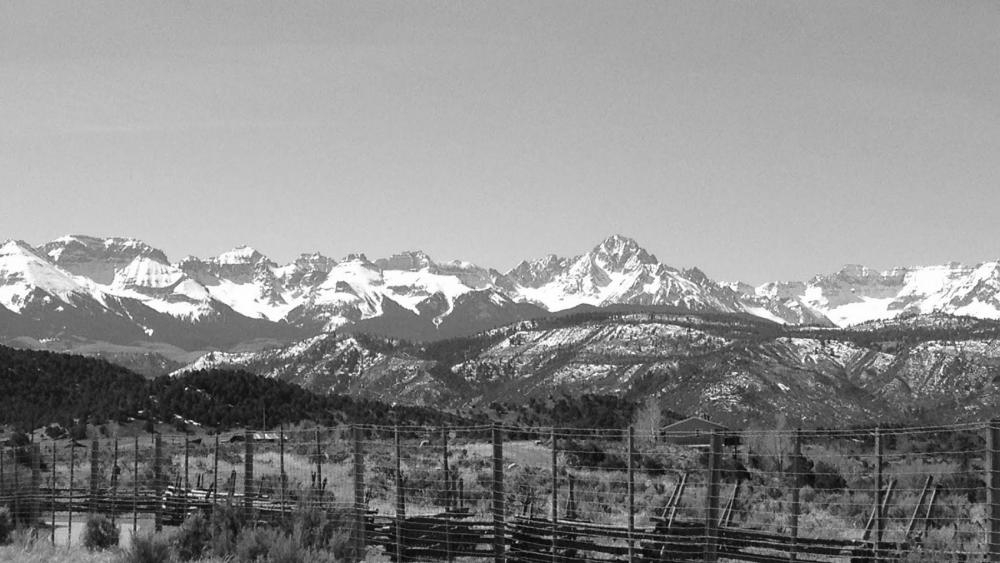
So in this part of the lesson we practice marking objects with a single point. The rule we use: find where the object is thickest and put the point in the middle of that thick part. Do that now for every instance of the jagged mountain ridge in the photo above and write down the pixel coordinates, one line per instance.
(122, 290)
(739, 369)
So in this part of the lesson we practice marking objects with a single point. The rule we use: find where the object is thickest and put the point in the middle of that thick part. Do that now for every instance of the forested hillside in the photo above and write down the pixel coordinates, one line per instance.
(737, 369)
(40, 389)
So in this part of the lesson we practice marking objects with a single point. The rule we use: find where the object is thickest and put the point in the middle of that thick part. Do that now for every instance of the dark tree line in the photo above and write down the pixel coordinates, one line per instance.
(41, 388)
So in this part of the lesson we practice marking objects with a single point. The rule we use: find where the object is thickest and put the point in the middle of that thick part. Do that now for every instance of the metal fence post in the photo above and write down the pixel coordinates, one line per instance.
(498, 499)
(359, 496)
(712, 499)
(993, 489)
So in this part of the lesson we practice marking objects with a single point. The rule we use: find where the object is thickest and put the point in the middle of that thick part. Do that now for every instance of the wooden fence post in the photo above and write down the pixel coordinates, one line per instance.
(248, 471)
(359, 497)
(400, 498)
(993, 489)
(3, 481)
(187, 460)
(157, 482)
(712, 499)
(72, 471)
(95, 475)
(498, 499)
(114, 484)
(447, 495)
(52, 491)
(319, 468)
(135, 488)
(215, 471)
(281, 468)
(879, 494)
(36, 480)
(631, 494)
(555, 497)
(17, 501)
(797, 454)
(447, 474)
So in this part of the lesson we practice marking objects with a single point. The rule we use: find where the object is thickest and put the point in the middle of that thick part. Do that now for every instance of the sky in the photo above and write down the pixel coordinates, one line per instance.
(755, 140)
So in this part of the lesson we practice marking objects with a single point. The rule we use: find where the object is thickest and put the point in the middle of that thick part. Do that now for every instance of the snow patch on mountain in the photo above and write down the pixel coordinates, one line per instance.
(24, 274)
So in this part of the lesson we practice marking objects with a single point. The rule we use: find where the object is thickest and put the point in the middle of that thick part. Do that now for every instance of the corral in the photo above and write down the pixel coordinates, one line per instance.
(530, 494)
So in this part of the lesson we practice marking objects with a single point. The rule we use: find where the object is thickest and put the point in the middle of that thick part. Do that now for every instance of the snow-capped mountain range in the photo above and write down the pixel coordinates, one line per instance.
(123, 290)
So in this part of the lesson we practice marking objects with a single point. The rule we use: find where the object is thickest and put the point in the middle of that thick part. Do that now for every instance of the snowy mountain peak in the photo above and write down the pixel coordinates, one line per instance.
(411, 260)
(129, 282)
(357, 257)
(144, 272)
(98, 258)
(619, 252)
(240, 255)
(11, 247)
(26, 275)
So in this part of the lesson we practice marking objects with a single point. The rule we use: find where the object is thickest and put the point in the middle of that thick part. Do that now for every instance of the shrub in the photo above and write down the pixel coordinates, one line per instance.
(6, 525)
(147, 549)
(965, 483)
(225, 525)
(100, 533)
(828, 477)
(321, 531)
(193, 538)
(284, 549)
(311, 527)
(254, 544)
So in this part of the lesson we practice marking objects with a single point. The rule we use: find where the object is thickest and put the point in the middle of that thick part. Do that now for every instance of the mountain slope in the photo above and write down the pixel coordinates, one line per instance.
(80, 291)
(735, 368)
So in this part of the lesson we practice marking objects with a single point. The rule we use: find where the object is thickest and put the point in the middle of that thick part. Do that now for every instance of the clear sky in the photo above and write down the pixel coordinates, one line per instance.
(755, 140)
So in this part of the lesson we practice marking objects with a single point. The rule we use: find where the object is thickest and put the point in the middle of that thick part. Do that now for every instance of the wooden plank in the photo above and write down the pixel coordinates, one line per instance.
(910, 527)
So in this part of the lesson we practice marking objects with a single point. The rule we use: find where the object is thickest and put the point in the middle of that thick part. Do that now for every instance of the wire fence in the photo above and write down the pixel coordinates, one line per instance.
(546, 494)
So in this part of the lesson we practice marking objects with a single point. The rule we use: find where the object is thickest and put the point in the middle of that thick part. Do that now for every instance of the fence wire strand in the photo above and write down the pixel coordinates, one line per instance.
(555, 494)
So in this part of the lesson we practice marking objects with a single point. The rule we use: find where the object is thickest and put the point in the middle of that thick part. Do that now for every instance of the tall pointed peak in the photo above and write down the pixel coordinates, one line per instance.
(618, 250)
